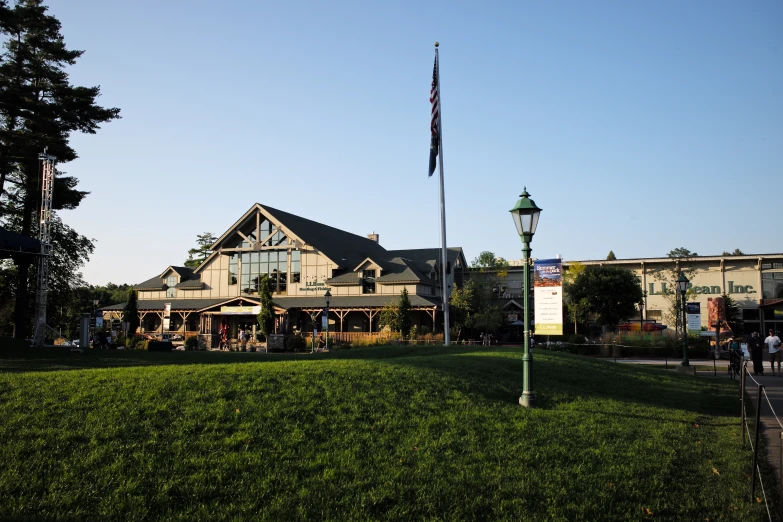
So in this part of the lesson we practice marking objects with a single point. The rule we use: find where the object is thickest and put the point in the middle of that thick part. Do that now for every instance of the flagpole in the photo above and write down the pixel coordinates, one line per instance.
(444, 256)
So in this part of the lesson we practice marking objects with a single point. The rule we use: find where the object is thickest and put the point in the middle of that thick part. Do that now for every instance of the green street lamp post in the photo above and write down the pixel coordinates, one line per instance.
(328, 297)
(640, 305)
(525, 214)
(682, 287)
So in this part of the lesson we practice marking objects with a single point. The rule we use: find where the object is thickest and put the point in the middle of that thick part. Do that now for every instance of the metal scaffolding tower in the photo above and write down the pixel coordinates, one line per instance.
(44, 235)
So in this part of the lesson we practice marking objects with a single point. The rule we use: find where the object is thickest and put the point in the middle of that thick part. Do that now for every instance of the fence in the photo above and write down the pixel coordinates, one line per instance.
(754, 446)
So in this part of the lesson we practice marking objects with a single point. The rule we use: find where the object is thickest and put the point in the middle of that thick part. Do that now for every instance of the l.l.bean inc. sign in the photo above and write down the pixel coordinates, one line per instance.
(699, 289)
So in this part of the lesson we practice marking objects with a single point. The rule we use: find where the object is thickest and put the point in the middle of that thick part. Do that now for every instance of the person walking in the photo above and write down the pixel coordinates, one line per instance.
(754, 343)
(773, 343)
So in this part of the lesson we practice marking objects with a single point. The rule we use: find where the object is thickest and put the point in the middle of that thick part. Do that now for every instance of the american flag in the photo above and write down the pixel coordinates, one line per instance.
(435, 101)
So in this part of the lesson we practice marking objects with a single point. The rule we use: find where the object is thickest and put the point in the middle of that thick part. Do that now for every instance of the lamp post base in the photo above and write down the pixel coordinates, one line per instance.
(686, 369)
(527, 399)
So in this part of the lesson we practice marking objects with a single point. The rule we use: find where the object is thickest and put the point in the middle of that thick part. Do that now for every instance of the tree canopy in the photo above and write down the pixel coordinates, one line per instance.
(39, 110)
(609, 292)
(198, 255)
(681, 252)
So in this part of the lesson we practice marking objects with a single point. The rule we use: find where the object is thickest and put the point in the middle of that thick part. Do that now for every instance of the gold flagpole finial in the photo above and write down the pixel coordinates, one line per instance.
(436, 44)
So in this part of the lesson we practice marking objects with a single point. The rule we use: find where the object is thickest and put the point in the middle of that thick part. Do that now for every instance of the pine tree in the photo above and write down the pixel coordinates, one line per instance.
(266, 317)
(404, 320)
(39, 110)
(131, 312)
(610, 256)
(202, 252)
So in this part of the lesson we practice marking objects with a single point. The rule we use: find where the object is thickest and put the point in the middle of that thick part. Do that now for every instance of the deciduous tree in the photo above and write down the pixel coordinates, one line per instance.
(611, 293)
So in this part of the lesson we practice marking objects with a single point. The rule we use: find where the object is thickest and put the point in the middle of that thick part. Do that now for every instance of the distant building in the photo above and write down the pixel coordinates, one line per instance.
(303, 259)
(755, 282)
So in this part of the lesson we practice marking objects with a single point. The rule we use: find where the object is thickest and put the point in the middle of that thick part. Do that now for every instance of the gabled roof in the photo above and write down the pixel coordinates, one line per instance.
(404, 271)
(344, 248)
(188, 280)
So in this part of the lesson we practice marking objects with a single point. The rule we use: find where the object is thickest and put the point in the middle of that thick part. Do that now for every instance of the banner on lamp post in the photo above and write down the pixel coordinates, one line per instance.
(694, 317)
(548, 296)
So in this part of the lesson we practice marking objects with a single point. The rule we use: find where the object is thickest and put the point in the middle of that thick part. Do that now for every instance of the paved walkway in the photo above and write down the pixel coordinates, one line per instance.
(771, 410)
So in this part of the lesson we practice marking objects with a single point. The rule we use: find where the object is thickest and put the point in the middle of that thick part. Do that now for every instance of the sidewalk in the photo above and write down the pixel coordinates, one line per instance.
(771, 426)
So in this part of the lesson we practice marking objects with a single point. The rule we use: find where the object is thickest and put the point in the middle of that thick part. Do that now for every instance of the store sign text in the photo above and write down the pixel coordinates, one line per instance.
(314, 286)
(712, 290)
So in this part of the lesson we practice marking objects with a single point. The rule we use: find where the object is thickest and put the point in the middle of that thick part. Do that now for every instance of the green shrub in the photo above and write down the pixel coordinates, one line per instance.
(295, 343)
(12, 343)
(191, 343)
(158, 346)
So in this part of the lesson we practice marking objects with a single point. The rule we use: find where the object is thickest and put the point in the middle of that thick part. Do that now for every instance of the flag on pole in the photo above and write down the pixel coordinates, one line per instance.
(435, 122)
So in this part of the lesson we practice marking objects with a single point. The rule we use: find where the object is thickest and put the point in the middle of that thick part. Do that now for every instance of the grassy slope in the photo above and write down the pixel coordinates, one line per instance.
(379, 433)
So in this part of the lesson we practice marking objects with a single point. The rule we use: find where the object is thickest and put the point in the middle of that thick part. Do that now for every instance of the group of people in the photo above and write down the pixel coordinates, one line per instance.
(242, 336)
(772, 343)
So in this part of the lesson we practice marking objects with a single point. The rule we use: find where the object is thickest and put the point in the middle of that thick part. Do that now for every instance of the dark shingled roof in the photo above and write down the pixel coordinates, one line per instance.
(351, 301)
(188, 280)
(427, 256)
(348, 278)
(359, 301)
(344, 248)
(176, 304)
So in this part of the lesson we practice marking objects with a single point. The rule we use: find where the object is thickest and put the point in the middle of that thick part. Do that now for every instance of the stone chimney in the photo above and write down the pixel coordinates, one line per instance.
(373, 236)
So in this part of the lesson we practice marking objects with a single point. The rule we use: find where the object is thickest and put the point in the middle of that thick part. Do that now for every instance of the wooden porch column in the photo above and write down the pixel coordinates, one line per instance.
(141, 320)
(341, 314)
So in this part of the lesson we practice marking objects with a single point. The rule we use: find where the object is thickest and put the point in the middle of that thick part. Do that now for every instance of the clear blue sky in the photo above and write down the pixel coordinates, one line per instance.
(637, 126)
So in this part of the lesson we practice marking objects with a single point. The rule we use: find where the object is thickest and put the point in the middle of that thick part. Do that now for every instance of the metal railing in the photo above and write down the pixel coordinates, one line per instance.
(761, 392)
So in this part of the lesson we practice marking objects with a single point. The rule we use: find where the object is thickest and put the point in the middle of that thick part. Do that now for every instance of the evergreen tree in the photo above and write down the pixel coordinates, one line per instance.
(131, 312)
(39, 110)
(733, 315)
(404, 314)
(610, 256)
(266, 317)
(202, 252)
(389, 316)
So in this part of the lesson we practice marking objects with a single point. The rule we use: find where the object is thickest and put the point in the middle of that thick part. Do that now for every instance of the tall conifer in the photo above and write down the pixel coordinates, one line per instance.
(39, 109)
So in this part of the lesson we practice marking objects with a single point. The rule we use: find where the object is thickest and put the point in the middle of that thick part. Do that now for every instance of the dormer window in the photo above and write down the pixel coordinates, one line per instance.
(368, 282)
(171, 283)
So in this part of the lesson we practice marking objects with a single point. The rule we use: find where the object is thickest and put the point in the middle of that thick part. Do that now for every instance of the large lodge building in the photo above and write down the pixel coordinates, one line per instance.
(303, 259)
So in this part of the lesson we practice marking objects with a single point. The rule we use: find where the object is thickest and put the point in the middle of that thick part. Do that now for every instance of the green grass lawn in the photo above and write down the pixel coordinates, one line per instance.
(402, 433)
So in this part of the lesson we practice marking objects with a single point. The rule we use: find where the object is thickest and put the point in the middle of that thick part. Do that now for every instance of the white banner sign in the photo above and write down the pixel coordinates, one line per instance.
(548, 296)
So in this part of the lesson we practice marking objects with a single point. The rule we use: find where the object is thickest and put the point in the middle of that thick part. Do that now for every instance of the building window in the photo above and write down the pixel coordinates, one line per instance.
(772, 285)
(368, 283)
(171, 282)
(272, 263)
(750, 314)
(296, 268)
(233, 269)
